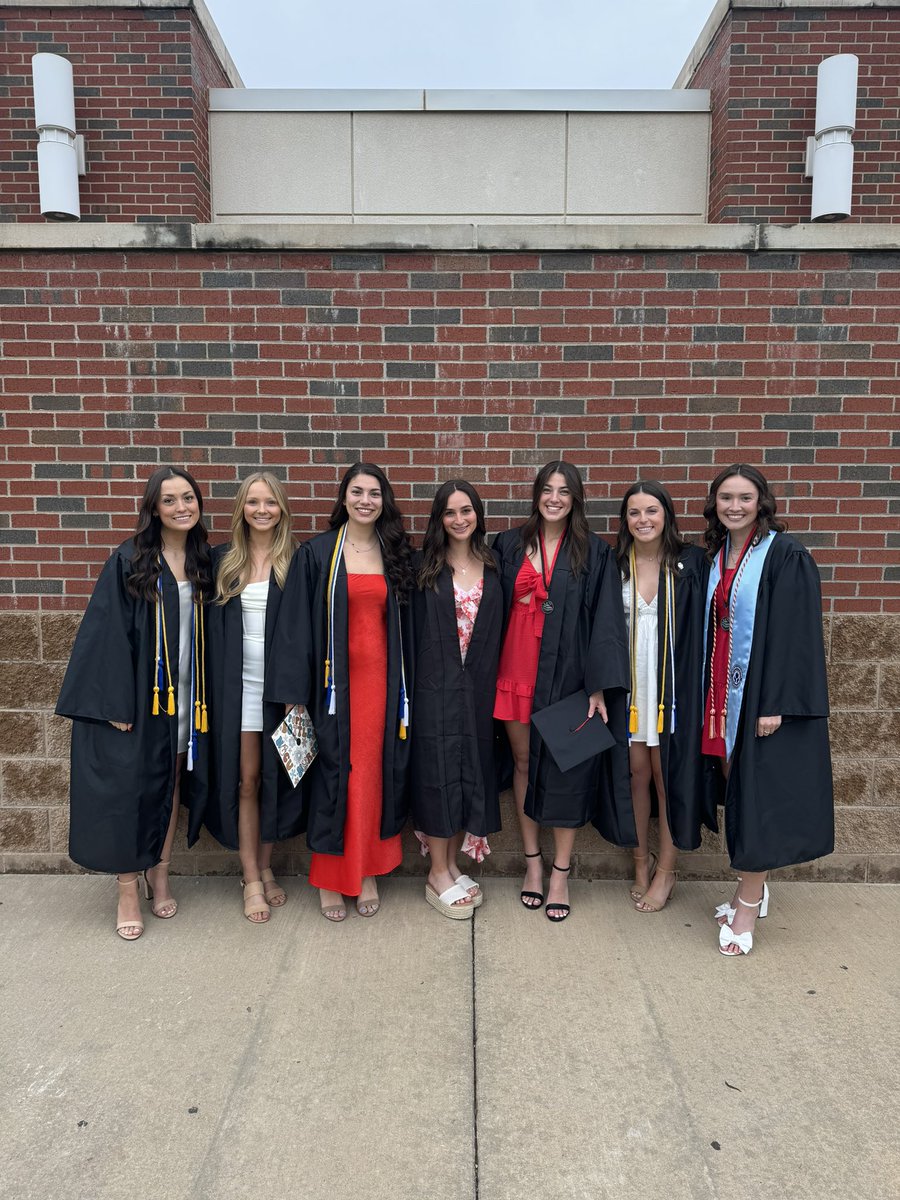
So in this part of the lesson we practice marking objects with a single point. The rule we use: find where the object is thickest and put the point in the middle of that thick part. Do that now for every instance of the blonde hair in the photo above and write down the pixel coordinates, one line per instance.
(234, 569)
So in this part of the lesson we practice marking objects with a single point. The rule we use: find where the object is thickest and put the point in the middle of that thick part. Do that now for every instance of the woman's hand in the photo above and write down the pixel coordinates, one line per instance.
(598, 705)
(767, 725)
(121, 726)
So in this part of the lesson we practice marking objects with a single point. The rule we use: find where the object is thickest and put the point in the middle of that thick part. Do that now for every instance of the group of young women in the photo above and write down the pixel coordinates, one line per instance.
(707, 667)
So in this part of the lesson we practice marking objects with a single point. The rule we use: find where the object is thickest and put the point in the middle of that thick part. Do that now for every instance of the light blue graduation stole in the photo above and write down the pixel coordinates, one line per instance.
(742, 619)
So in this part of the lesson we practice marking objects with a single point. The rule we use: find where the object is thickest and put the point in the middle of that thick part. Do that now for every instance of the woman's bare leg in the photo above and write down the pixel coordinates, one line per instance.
(158, 876)
(248, 813)
(663, 882)
(520, 741)
(641, 774)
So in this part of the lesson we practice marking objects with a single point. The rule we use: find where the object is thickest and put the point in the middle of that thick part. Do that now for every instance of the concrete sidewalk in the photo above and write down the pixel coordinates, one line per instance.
(617, 1055)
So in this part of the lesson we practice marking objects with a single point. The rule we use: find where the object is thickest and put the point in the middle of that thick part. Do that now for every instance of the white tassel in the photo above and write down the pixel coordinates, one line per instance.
(332, 704)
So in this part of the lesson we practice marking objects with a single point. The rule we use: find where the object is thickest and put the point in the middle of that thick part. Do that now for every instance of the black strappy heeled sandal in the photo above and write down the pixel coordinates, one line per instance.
(564, 909)
(526, 896)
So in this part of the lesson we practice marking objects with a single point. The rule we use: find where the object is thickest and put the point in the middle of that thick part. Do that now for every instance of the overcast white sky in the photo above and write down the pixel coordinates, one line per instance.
(460, 43)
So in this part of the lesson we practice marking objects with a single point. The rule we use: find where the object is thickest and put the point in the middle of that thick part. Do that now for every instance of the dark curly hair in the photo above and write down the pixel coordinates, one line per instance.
(577, 538)
(672, 541)
(146, 560)
(434, 546)
(396, 550)
(715, 533)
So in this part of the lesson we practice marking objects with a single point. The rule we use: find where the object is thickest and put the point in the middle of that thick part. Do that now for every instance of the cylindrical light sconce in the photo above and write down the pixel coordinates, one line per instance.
(54, 115)
(832, 154)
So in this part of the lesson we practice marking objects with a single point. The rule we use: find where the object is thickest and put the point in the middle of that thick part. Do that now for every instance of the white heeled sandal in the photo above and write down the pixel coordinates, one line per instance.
(726, 911)
(743, 941)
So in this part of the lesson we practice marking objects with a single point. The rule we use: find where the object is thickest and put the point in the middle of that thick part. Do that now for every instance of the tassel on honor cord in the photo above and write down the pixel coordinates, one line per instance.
(162, 657)
(632, 641)
(668, 652)
(198, 681)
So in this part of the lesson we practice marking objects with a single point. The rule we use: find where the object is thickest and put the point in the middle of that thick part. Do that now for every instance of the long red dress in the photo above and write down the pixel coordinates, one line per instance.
(364, 851)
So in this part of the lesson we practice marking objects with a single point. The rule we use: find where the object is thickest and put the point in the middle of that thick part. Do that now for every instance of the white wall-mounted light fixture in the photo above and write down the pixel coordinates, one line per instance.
(60, 150)
(829, 155)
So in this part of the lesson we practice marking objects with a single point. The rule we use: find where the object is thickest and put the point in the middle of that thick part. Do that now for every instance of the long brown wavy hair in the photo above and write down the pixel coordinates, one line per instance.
(434, 545)
(715, 533)
(234, 569)
(577, 537)
(146, 560)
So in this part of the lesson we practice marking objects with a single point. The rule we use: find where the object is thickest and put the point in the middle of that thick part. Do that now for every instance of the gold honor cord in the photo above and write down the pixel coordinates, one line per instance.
(163, 668)
(669, 594)
(164, 646)
(632, 630)
(670, 608)
(201, 720)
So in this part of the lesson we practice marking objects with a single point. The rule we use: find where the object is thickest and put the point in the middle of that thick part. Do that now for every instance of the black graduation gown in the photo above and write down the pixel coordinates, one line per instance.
(692, 781)
(779, 801)
(584, 645)
(121, 783)
(297, 676)
(454, 784)
(281, 810)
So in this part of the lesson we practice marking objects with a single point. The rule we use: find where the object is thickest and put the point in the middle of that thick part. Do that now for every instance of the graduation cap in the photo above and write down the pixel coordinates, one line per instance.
(567, 733)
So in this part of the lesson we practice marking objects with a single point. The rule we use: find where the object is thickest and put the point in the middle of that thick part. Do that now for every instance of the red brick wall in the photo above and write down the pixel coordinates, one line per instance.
(669, 365)
(141, 80)
(761, 69)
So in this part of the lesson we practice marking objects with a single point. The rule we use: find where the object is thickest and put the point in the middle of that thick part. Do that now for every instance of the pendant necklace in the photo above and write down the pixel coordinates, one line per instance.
(547, 606)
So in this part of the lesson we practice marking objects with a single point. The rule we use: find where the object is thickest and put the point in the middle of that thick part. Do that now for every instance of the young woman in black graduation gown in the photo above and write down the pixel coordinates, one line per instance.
(663, 591)
(252, 802)
(565, 631)
(458, 609)
(341, 648)
(766, 697)
(135, 690)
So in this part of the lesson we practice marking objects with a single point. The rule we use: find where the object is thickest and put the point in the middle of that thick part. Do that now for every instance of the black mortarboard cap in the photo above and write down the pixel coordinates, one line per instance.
(568, 735)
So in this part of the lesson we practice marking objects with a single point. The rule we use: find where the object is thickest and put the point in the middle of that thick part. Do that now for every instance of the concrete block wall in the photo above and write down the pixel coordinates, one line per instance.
(141, 81)
(667, 364)
(760, 67)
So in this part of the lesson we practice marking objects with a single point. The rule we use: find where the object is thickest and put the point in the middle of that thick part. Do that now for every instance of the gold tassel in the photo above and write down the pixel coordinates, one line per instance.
(722, 724)
(402, 732)
(712, 722)
(170, 708)
(204, 726)
(633, 719)
(327, 665)
(661, 719)
(156, 701)
(196, 714)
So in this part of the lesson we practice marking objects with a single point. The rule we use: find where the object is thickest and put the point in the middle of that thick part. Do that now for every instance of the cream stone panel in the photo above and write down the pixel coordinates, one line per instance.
(280, 163)
(644, 164)
(449, 163)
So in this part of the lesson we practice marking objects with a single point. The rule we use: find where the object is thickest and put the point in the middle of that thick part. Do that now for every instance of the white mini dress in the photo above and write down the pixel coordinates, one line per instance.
(253, 613)
(645, 667)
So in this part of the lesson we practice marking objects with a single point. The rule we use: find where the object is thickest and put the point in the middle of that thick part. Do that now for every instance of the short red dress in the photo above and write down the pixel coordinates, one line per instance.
(715, 744)
(364, 851)
(521, 649)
